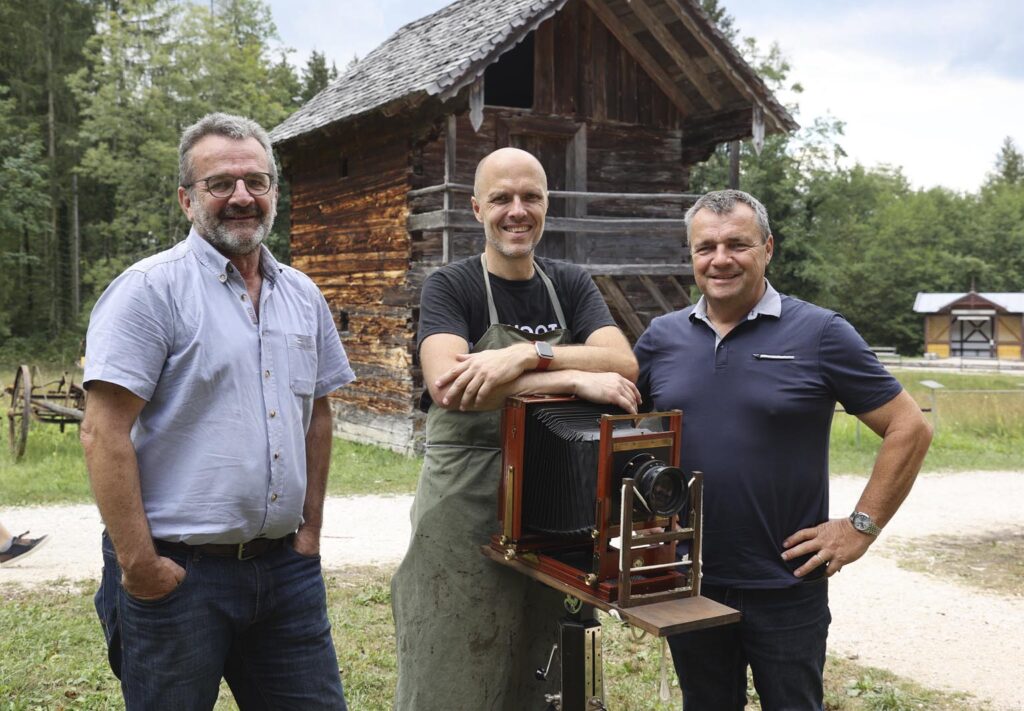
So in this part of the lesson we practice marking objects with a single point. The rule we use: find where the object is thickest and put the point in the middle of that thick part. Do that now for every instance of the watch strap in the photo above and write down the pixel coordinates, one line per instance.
(544, 355)
(864, 523)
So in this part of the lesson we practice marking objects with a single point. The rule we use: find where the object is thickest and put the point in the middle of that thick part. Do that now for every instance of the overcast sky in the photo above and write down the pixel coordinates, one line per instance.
(932, 87)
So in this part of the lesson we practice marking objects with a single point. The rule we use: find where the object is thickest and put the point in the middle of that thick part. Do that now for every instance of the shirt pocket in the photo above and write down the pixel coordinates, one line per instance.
(301, 363)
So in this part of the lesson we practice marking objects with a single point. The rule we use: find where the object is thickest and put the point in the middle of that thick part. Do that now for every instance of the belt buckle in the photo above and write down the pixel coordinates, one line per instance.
(241, 551)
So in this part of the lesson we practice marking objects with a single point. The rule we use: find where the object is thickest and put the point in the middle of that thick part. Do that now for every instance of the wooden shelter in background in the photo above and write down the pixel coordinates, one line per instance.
(972, 324)
(618, 99)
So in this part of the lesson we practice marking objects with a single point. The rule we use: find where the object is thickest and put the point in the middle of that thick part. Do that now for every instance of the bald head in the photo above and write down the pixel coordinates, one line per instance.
(505, 160)
(510, 199)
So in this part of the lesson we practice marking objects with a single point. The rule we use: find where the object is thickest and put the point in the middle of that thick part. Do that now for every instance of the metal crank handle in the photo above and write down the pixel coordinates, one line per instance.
(542, 672)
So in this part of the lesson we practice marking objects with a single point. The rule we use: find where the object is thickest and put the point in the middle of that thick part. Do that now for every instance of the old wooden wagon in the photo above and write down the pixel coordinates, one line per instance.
(618, 99)
(58, 402)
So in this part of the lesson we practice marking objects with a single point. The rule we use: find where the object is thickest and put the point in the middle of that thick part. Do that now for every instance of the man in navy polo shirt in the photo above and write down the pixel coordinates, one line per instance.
(757, 375)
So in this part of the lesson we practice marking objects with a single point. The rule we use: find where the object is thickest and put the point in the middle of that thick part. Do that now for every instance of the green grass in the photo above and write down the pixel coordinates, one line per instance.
(53, 471)
(54, 657)
(975, 431)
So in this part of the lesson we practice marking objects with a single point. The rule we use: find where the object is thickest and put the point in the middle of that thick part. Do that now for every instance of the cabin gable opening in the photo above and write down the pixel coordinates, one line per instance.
(509, 81)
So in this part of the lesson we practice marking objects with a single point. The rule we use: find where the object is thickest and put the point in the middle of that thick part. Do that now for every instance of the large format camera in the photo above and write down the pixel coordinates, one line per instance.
(593, 503)
(593, 499)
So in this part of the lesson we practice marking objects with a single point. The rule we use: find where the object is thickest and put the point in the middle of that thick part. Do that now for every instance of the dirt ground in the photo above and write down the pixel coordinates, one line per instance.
(937, 632)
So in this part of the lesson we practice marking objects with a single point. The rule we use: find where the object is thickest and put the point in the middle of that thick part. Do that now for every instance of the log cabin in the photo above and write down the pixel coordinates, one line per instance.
(617, 98)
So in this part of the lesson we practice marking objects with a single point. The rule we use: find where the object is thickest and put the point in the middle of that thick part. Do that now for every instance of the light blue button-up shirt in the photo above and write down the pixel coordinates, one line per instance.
(229, 396)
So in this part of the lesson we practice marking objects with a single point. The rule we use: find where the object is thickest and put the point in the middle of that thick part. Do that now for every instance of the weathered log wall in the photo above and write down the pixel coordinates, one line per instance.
(349, 210)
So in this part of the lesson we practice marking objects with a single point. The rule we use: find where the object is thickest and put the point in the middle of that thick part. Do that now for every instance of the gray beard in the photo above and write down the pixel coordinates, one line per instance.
(504, 249)
(226, 241)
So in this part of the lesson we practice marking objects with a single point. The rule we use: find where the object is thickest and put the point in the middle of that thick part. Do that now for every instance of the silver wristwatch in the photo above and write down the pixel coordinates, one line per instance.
(864, 523)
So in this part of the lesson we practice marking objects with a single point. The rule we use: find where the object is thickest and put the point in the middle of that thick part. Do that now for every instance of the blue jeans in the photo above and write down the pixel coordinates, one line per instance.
(781, 636)
(261, 624)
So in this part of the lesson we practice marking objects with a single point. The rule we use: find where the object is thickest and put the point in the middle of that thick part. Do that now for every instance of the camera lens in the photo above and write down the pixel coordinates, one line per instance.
(663, 488)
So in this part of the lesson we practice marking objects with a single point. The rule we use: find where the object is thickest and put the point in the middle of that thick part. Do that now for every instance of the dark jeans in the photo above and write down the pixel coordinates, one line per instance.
(781, 637)
(261, 624)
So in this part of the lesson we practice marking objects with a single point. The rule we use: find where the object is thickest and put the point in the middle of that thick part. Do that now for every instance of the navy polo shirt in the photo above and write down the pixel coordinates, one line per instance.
(757, 411)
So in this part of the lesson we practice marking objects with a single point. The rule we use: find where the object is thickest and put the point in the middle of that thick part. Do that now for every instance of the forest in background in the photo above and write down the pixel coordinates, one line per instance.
(94, 94)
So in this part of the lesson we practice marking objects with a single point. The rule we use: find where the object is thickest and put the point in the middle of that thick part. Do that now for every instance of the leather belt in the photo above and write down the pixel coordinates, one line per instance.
(242, 551)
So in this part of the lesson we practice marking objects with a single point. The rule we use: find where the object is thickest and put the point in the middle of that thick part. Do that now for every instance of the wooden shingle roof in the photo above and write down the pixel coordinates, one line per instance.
(442, 53)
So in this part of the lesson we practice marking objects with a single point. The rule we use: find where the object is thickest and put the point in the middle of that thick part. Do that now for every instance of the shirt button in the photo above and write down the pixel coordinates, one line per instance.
(273, 413)
(277, 455)
(243, 297)
(223, 278)
(266, 373)
(273, 497)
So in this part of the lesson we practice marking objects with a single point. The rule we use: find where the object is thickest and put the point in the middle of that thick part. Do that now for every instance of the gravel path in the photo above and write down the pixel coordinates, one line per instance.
(943, 635)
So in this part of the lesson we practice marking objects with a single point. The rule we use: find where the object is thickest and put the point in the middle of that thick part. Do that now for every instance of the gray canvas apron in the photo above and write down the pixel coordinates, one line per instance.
(470, 632)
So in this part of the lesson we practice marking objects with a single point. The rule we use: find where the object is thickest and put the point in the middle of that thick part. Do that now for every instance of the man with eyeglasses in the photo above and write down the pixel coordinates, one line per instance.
(207, 436)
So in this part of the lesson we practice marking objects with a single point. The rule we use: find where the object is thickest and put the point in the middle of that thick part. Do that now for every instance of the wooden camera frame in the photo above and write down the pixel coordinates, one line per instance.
(644, 568)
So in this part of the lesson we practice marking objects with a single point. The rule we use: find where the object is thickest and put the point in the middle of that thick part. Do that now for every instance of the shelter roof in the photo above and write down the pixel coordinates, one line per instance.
(442, 53)
(939, 302)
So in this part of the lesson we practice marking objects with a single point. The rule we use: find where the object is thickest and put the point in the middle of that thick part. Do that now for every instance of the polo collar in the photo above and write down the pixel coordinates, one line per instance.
(770, 304)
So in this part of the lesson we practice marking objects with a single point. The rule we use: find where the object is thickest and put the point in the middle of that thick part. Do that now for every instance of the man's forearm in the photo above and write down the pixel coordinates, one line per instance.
(896, 466)
(551, 382)
(596, 359)
(906, 436)
(318, 462)
(114, 477)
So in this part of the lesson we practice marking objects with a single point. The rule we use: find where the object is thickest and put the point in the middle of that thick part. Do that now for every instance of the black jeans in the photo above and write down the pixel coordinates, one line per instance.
(781, 636)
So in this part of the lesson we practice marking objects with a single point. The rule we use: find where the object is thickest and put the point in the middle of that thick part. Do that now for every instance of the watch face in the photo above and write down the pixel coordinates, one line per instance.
(860, 522)
(544, 349)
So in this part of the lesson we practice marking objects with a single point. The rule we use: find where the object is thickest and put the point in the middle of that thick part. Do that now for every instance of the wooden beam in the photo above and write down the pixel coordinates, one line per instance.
(642, 56)
(577, 182)
(625, 227)
(618, 300)
(663, 270)
(654, 291)
(577, 194)
(684, 293)
(672, 47)
(449, 177)
(700, 34)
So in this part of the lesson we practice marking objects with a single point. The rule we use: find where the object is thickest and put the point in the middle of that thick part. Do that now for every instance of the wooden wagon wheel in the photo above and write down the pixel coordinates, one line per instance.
(20, 413)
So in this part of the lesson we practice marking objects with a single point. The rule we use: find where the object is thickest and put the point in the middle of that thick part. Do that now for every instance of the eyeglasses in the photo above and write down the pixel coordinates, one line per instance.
(222, 186)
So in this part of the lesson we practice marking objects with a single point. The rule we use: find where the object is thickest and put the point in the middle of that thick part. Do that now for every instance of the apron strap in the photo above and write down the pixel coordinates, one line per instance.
(493, 311)
(552, 294)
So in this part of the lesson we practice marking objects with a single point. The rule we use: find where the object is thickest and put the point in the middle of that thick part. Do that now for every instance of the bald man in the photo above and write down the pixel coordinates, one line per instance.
(470, 632)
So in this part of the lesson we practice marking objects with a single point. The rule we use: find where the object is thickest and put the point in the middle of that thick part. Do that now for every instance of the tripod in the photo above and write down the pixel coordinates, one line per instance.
(581, 662)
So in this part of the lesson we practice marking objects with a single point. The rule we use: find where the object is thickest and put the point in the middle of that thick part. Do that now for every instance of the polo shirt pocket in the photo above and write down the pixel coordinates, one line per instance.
(301, 363)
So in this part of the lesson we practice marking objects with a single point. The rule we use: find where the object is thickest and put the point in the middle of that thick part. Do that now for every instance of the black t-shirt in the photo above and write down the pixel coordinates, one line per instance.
(454, 300)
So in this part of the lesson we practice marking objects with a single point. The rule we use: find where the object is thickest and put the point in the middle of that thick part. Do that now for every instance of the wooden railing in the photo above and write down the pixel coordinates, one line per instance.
(447, 219)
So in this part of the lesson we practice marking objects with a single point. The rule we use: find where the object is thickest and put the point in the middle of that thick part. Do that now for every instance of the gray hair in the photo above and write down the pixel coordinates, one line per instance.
(217, 124)
(722, 202)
